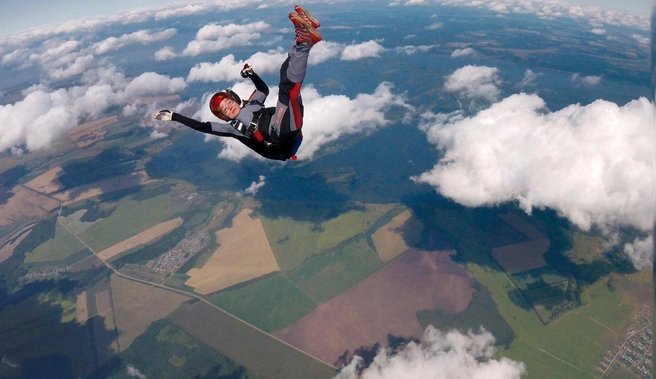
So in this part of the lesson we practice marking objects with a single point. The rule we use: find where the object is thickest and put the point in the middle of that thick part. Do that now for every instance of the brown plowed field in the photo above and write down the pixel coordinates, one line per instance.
(25, 204)
(47, 182)
(103, 186)
(385, 303)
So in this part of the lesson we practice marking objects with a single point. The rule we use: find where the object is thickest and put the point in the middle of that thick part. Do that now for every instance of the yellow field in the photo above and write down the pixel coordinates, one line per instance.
(25, 204)
(47, 182)
(8, 250)
(81, 308)
(141, 238)
(90, 132)
(137, 305)
(103, 186)
(244, 254)
(388, 241)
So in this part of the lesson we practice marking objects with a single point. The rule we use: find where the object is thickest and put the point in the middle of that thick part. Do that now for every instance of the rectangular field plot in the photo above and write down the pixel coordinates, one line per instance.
(292, 241)
(63, 245)
(271, 303)
(129, 218)
(257, 351)
(539, 277)
(327, 275)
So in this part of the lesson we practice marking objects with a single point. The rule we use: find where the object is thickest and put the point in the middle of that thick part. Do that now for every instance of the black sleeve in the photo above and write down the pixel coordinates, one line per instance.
(259, 84)
(204, 127)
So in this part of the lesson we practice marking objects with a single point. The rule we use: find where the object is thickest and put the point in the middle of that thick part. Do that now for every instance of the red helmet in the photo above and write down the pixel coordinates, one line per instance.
(216, 100)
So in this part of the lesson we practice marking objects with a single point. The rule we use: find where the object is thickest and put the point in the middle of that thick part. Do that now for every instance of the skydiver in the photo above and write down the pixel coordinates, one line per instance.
(274, 133)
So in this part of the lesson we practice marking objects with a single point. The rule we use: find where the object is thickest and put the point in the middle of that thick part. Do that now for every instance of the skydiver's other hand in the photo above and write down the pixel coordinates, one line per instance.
(164, 115)
(247, 71)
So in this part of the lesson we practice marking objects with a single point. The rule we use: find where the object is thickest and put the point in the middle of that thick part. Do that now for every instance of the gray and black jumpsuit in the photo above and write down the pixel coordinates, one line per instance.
(278, 134)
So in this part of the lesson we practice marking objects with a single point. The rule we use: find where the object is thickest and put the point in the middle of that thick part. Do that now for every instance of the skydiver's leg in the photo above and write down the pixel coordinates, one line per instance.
(289, 110)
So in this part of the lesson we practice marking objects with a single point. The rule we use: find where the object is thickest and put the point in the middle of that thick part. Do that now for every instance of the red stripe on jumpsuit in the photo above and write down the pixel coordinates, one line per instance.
(296, 109)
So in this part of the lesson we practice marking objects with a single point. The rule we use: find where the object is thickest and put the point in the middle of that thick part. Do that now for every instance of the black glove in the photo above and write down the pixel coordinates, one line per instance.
(247, 71)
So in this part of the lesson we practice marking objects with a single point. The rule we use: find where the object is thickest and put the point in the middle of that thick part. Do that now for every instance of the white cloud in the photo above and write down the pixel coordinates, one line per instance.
(642, 40)
(434, 26)
(474, 83)
(133, 371)
(589, 80)
(546, 10)
(458, 53)
(439, 355)
(592, 164)
(44, 115)
(143, 37)
(641, 252)
(150, 83)
(324, 51)
(369, 49)
(165, 53)
(254, 187)
(78, 67)
(213, 37)
(228, 69)
(598, 31)
(528, 80)
(411, 49)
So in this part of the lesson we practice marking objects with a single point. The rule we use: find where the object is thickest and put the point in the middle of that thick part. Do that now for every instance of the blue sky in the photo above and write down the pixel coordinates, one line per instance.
(19, 15)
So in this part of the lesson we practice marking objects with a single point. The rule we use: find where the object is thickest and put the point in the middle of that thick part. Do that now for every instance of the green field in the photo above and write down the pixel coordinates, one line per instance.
(539, 277)
(327, 275)
(60, 247)
(570, 346)
(130, 218)
(293, 242)
(481, 312)
(166, 351)
(45, 317)
(271, 303)
(258, 352)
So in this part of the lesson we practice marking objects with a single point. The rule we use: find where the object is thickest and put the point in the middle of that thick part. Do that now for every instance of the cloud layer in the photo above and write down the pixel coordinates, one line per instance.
(592, 163)
(439, 355)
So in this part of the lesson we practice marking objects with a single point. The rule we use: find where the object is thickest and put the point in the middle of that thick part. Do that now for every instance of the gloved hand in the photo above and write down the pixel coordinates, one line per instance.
(247, 71)
(164, 115)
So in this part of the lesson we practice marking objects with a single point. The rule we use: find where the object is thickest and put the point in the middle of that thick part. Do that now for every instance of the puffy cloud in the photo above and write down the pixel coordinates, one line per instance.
(254, 187)
(586, 80)
(641, 252)
(78, 67)
(165, 53)
(434, 26)
(439, 355)
(593, 163)
(133, 371)
(213, 37)
(458, 53)
(369, 49)
(143, 37)
(324, 51)
(332, 117)
(228, 69)
(528, 79)
(641, 40)
(411, 49)
(598, 31)
(474, 83)
(151, 83)
(44, 115)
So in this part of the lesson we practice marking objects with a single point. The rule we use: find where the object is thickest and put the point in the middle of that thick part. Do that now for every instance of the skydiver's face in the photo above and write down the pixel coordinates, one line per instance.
(229, 107)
